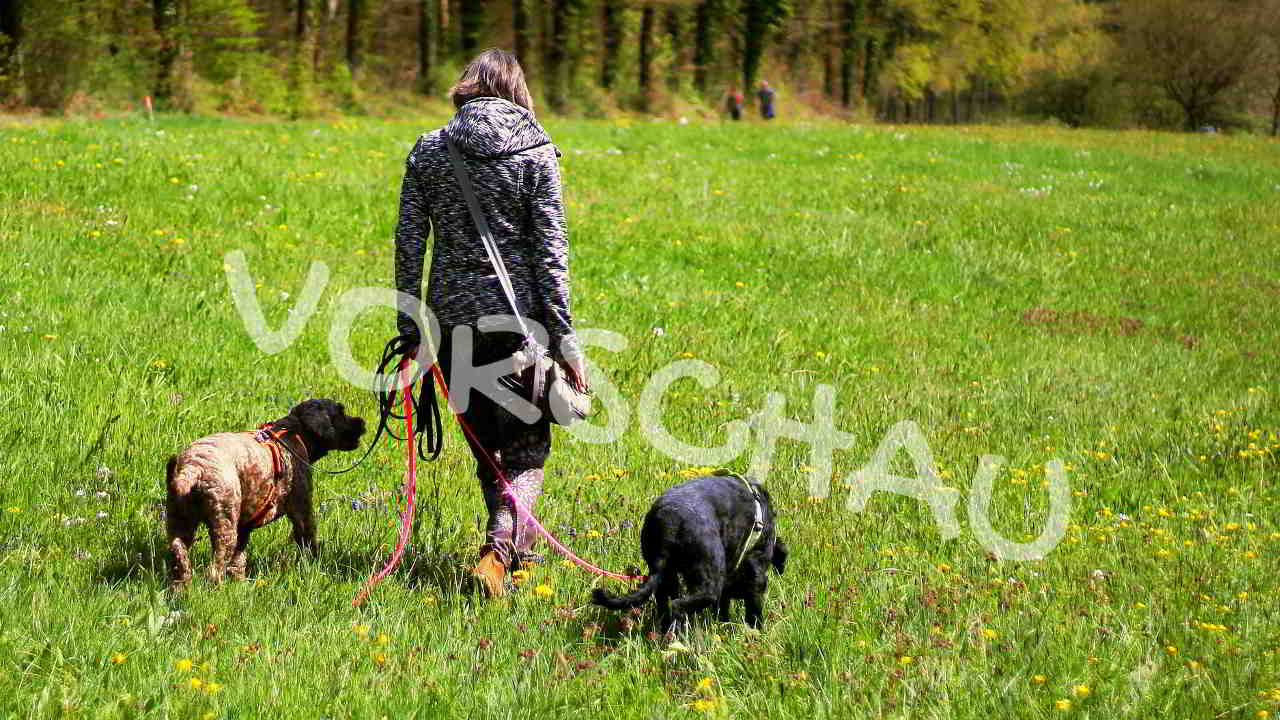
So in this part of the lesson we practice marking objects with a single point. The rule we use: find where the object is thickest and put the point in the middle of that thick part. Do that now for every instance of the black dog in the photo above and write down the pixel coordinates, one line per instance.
(715, 532)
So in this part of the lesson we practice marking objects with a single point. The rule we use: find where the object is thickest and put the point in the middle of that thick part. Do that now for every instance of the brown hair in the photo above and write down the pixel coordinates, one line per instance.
(493, 73)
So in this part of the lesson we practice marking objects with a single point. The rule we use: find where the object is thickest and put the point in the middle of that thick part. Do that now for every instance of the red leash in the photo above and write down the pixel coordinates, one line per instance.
(410, 484)
(411, 489)
(515, 501)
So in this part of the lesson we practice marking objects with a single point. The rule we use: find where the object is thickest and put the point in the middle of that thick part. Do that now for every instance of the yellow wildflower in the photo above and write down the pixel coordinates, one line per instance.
(1038, 679)
(196, 683)
(1081, 691)
(543, 591)
(704, 705)
(119, 658)
(990, 634)
(1063, 704)
(183, 665)
(704, 685)
(906, 660)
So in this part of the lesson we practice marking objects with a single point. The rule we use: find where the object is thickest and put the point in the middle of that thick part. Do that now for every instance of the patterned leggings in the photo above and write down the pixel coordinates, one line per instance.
(519, 449)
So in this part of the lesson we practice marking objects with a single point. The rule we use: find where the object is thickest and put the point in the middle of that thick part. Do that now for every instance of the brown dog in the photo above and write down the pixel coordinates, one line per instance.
(239, 481)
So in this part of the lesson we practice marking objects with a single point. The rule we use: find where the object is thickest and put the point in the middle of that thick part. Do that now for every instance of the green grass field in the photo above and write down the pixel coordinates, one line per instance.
(1109, 299)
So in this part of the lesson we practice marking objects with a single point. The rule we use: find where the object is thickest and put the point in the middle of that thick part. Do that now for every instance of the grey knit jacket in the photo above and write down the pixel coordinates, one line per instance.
(513, 167)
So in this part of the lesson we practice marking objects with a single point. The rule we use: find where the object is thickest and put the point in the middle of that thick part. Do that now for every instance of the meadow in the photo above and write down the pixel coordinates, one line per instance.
(1105, 298)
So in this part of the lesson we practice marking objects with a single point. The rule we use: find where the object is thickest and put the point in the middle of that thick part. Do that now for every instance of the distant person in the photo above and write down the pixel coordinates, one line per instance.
(735, 104)
(765, 93)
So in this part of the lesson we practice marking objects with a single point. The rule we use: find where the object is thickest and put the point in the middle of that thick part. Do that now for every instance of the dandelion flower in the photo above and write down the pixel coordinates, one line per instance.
(704, 705)
(519, 576)
(1038, 679)
(119, 658)
(383, 639)
(906, 660)
(704, 685)
(379, 659)
(196, 683)
(1063, 704)
(1081, 691)
(183, 665)
(361, 630)
(990, 634)
(543, 591)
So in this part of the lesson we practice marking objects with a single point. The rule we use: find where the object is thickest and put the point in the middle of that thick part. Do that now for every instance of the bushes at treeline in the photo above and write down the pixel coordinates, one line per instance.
(1161, 63)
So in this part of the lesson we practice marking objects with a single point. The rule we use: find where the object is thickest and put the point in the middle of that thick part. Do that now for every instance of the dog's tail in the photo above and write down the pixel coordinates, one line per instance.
(635, 599)
(177, 482)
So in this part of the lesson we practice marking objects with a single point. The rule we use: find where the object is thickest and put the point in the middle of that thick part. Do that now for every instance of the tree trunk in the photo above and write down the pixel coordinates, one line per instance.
(10, 37)
(520, 30)
(955, 106)
(755, 36)
(470, 24)
(427, 42)
(703, 43)
(553, 70)
(871, 68)
(647, 21)
(302, 70)
(165, 17)
(611, 41)
(356, 10)
(1275, 109)
(672, 22)
(828, 75)
(930, 106)
(850, 16)
(973, 99)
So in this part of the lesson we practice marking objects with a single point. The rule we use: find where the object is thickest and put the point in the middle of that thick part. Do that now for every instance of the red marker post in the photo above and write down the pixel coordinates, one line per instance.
(151, 113)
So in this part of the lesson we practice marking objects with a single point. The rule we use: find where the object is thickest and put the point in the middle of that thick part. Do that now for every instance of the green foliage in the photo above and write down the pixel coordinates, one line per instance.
(1046, 55)
(223, 37)
(257, 86)
(61, 40)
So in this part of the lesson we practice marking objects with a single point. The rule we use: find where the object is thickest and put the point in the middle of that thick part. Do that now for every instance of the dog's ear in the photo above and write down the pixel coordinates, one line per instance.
(315, 416)
(779, 555)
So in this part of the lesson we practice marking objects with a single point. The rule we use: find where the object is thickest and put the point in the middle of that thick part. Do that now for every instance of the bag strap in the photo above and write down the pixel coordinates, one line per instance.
(482, 225)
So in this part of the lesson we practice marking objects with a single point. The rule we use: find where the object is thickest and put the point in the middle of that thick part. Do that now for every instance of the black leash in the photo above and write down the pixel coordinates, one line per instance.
(430, 432)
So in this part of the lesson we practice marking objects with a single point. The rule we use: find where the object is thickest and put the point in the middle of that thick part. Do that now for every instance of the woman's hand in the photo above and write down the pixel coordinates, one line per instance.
(576, 368)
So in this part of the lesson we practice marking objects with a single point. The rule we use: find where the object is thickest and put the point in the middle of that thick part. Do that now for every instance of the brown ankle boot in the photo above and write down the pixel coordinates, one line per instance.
(489, 572)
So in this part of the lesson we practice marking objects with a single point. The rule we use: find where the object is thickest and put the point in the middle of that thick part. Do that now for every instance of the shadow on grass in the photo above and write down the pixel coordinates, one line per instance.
(141, 558)
(445, 571)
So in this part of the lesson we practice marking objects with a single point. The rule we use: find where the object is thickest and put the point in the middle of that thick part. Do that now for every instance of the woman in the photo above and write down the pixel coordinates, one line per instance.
(513, 168)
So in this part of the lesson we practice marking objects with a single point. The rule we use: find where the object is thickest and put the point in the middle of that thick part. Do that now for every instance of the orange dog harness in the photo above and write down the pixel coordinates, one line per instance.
(272, 440)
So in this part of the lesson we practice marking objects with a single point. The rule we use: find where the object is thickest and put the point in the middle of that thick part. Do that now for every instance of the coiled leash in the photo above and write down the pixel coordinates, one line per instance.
(385, 392)
(399, 348)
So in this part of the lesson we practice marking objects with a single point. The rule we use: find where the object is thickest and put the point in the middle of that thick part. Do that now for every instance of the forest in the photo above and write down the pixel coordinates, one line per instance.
(1197, 65)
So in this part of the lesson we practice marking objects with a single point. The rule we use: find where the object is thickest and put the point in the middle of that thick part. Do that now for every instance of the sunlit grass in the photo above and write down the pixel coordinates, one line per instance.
(1108, 299)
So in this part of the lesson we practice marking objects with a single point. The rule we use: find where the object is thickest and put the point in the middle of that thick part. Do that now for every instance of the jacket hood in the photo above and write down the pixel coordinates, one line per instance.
(492, 127)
